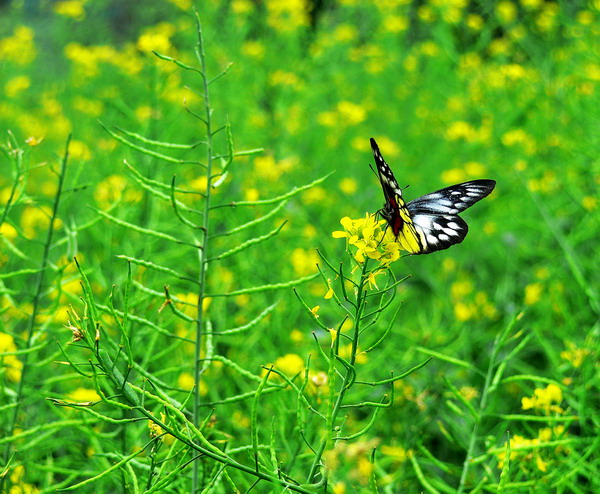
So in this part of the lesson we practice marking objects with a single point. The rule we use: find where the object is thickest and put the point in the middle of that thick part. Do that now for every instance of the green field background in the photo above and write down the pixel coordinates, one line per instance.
(451, 90)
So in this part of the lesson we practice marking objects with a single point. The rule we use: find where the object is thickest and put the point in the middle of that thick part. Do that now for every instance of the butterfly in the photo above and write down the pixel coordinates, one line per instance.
(430, 222)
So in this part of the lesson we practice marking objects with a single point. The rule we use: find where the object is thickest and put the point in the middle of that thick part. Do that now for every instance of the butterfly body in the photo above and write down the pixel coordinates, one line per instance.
(430, 222)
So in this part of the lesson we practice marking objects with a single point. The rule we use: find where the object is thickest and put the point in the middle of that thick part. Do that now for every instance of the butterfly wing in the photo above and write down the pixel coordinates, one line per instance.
(435, 215)
(394, 210)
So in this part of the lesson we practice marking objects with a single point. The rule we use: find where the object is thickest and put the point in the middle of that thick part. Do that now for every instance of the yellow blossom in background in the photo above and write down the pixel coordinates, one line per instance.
(346, 351)
(351, 113)
(590, 203)
(348, 186)
(284, 78)
(345, 32)
(531, 4)
(397, 453)
(251, 194)
(533, 293)
(254, 49)
(188, 303)
(474, 22)
(328, 119)
(184, 5)
(37, 219)
(475, 169)
(461, 130)
(290, 364)
(110, 190)
(17, 85)
(242, 6)
(93, 108)
(395, 23)
(575, 355)
(156, 38)
(453, 176)
(185, 381)
(547, 17)
(315, 195)
(463, 312)
(82, 395)
(460, 289)
(545, 400)
(20, 47)
(79, 150)
(8, 231)
(469, 393)
(70, 8)
(506, 11)
(499, 46)
(287, 16)
(304, 261)
(11, 364)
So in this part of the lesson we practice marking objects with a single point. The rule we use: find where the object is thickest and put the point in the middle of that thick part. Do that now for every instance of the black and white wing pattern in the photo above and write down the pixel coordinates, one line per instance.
(435, 215)
(430, 222)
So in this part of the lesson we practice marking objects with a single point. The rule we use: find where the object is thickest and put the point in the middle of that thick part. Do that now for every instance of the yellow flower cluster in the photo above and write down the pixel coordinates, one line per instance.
(20, 47)
(530, 451)
(11, 364)
(70, 8)
(87, 59)
(544, 400)
(469, 304)
(370, 238)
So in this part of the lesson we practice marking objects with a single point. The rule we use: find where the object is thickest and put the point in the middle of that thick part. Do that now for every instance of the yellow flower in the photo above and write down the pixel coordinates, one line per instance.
(17, 85)
(156, 38)
(70, 8)
(82, 395)
(544, 400)
(590, 203)
(575, 355)
(10, 363)
(287, 16)
(304, 261)
(283, 78)
(185, 381)
(34, 219)
(20, 47)
(464, 312)
(8, 231)
(79, 150)
(371, 239)
(461, 130)
(155, 429)
(351, 113)
(290, 364)
(469, 393)
(330, 291)
(254, 49)
(397, 453)
(395, 23)
(314, 310)
(345, 32)
(348, 185)
(453, 176)
(475, 22)
(533, 293)
(506, 11)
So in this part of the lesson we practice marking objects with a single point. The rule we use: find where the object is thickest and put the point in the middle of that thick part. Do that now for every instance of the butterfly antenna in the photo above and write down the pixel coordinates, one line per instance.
(373, 170)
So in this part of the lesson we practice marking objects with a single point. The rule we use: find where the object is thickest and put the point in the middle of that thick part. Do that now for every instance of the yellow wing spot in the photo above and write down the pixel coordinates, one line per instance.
(409, 238)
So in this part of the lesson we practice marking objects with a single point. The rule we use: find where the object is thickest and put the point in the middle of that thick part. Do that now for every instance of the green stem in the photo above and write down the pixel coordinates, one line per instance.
(203, 253)
(39, 286)
(348, 376)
